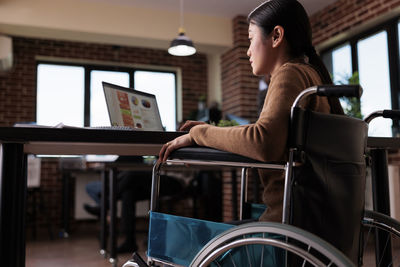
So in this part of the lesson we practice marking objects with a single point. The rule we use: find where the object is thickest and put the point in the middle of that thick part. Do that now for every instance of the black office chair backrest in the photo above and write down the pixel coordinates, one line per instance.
(328, 189)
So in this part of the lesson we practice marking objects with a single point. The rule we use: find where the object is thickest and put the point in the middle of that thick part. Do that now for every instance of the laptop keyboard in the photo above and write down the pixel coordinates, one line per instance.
(116, 128)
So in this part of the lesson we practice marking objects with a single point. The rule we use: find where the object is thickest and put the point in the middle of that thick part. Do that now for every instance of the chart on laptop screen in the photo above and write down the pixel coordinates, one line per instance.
(128, 107)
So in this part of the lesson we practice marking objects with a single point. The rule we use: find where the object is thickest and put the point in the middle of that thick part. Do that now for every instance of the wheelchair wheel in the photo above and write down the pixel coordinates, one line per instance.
(268, 244)
(381, 244)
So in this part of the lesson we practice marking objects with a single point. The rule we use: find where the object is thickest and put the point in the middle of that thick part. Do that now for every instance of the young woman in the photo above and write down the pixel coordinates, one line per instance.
(280, 46)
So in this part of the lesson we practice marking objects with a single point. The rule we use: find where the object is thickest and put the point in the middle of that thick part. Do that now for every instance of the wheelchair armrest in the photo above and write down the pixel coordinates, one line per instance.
(209, 154)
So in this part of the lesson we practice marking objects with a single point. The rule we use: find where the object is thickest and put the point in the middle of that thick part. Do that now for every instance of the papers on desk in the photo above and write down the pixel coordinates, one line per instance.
(34, 125)
(63, 126)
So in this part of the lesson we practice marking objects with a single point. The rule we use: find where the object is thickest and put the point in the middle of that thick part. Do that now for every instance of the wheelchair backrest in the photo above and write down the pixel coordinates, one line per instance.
(328, 189)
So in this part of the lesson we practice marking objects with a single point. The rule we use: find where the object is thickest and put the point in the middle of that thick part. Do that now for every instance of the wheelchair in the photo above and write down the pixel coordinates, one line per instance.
(323, 223)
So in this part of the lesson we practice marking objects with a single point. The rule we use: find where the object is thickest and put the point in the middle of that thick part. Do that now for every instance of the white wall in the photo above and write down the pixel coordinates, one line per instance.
(96, 21)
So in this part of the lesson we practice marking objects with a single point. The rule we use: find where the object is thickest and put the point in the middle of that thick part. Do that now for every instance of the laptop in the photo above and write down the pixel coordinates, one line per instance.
(131, 108)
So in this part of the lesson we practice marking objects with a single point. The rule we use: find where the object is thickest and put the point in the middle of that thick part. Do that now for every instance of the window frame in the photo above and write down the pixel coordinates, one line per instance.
(88, 67)
(391, 28)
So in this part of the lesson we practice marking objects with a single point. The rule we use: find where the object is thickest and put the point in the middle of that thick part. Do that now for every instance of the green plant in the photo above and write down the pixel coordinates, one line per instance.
(226, 123)
(202, 98)
(352, 105)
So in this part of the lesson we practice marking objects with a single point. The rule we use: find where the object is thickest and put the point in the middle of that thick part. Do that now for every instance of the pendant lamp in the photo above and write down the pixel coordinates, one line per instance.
(181, 45)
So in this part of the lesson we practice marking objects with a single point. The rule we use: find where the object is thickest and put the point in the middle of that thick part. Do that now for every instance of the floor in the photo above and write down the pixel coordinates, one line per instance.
(82, 249)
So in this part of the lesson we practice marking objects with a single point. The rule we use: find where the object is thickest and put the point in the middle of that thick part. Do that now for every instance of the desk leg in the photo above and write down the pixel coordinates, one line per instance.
(381, 203)
(234, 194)
(65, 204)
(113, 212)
(12, 204)
(103, 213)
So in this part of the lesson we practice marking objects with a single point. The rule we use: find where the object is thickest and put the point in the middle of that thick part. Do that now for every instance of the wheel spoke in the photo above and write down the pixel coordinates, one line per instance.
(232, 260)
(385, 227)
(243, 243)
(384, 249)
(367, 239)
(262, 255)
(248, 256)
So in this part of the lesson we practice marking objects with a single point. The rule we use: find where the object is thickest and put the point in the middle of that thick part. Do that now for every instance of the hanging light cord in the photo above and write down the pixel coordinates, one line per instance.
(181, 28)
(181, 45)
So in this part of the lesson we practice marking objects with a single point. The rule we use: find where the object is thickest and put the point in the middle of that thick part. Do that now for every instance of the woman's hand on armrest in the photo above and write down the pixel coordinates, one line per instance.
(190, 124)
(181, 141)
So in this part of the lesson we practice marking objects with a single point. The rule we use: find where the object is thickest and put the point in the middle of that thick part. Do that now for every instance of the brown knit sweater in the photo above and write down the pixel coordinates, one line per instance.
(266, 139)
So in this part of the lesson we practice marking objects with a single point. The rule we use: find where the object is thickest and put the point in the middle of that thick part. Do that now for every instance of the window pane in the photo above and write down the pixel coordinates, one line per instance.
(398, 31)
(163, 85)
(341, 64)
(338, 63)
(374, 78)
(60, 95)
(98, 108)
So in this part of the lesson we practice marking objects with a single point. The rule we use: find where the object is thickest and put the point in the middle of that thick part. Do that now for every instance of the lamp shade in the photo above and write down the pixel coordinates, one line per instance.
(182, 46)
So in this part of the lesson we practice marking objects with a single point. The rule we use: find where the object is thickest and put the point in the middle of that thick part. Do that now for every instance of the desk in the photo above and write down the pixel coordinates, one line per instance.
(17, 142)
(378, 149)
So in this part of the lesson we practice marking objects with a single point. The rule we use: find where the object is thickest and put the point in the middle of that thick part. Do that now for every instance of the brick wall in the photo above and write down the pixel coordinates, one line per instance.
(239, 85)
(18, 90)
(343, 15)
(18, 86)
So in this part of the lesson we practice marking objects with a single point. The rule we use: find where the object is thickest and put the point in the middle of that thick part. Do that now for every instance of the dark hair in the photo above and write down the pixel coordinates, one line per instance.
(290, 14)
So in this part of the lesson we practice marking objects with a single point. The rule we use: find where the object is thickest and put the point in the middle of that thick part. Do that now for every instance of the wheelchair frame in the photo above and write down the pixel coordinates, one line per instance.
(211, 250)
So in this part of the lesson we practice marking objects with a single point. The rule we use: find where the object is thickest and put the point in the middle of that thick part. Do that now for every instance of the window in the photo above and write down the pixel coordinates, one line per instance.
(98, 108)
(74, 94)
(373, 65)
(341, 61)
(161, 84)
(60, 95)
(374, 55)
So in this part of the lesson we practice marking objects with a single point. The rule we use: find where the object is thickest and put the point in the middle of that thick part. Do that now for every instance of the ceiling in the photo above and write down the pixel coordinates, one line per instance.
(143, 23)
(220, 8)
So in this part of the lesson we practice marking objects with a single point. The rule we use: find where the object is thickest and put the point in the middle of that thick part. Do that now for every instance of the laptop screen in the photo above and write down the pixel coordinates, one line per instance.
(132, 108)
